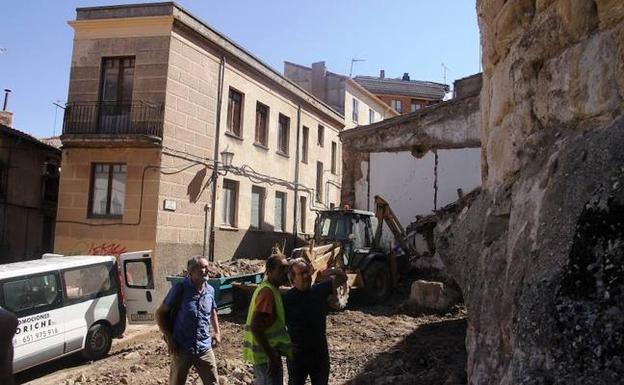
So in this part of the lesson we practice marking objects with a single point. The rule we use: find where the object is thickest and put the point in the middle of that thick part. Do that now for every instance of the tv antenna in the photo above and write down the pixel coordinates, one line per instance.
(354, 60)
(445, 69)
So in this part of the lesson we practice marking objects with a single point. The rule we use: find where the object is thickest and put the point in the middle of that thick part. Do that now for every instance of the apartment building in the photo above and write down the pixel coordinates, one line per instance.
(403, 94)
(356, 103)
(176, 139)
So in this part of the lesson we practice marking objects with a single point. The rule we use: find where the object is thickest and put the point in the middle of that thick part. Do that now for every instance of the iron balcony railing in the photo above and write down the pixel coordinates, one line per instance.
(112, 118)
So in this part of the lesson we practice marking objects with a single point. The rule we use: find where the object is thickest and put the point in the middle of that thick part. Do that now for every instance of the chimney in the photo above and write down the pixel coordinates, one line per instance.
(318, 80)
(406, 76)
(6, 117)
(382, 74)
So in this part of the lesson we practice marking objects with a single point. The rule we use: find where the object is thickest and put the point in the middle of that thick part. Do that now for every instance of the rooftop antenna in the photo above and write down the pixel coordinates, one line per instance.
(354, 60)
(444, 70)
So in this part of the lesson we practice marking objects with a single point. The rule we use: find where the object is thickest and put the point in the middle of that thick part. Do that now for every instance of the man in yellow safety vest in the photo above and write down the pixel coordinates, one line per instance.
(266, 337)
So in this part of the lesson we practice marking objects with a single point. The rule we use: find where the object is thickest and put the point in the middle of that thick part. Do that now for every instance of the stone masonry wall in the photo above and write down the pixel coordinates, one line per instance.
(542, 272)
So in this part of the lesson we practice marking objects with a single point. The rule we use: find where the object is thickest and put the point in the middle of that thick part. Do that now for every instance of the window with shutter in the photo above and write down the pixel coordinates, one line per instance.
(257, 207)
(280, 211)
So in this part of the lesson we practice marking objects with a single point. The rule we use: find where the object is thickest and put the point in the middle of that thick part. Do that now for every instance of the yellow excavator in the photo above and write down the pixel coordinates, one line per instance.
(350, 240)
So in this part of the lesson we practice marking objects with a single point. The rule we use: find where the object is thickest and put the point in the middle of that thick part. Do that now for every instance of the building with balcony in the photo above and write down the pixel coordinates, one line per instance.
(356, 103)
(403, 94)
(155, 96)
(29, 177)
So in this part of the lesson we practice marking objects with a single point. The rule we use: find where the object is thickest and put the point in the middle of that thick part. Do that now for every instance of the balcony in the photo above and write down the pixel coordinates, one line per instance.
(111, 120)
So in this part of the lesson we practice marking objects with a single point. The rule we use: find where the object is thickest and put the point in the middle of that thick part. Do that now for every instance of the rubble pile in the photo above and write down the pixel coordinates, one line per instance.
(232, 267)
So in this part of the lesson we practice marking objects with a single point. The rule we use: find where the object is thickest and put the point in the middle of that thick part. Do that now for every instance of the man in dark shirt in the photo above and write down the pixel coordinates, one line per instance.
(306, 311)
(195, 325)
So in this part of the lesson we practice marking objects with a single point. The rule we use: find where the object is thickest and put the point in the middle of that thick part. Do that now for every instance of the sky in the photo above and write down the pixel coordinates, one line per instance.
(414, 36)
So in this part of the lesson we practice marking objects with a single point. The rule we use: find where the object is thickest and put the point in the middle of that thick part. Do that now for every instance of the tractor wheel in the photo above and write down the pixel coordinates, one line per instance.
(339, 300)
(377, 283)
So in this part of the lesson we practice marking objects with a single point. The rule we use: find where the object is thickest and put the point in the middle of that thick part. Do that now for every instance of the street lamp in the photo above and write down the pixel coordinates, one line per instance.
(226, 158)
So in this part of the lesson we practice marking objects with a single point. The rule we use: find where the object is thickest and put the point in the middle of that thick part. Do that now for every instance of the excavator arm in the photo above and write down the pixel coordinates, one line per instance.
(384, 213)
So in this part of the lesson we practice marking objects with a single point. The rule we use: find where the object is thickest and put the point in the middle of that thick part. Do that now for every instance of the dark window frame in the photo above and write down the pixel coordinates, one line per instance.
(261, 207)
(108, 215)
(355, 107)
(319, 182)
(229, 129)
(305, 140)
(371, 116)
(284, 207)
(120, 77)
(283, 134)
(234, 209)
(334, 157)
(265, 142)
(320, 136)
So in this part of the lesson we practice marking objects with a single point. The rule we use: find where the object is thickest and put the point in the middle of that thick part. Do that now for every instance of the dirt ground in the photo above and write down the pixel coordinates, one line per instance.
(368, 345)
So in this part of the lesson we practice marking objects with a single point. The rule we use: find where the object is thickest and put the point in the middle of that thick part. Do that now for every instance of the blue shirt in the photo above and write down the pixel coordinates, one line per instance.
(191, 327)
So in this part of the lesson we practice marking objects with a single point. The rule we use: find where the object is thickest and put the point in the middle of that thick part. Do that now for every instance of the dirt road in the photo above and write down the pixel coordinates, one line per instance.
(368, 345)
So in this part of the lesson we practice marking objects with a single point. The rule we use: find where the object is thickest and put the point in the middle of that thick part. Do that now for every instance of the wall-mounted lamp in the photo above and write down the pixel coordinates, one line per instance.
(226, 158)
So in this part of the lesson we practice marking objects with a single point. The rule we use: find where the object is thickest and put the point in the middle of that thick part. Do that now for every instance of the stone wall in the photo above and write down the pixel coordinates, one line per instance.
(542, 272)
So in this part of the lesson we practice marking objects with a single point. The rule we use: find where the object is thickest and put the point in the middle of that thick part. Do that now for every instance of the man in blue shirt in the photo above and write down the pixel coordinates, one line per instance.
(306, 311)
(190, 307)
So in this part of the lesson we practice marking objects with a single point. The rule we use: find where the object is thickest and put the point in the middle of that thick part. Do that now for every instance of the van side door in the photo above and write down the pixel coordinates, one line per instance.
(37, 301)
(137, 279)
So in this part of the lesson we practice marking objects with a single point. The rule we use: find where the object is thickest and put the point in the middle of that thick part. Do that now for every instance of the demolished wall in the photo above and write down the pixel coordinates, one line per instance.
(539, 255)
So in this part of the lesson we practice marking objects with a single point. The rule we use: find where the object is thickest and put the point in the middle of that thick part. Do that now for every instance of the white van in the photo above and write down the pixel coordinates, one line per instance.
(70, 304)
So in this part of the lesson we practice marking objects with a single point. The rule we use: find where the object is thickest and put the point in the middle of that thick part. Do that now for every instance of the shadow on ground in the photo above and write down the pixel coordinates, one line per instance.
(433, 354)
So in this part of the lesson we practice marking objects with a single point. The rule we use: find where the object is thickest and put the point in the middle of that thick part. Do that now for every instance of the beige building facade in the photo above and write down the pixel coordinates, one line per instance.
(143, 130)
(359, 106)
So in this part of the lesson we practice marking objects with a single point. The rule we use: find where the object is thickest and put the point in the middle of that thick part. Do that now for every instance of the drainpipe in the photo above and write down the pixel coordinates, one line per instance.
(215, 175)
(296, 205)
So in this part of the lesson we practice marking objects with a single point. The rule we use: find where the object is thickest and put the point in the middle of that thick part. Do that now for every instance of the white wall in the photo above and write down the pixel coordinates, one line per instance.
(406, 182)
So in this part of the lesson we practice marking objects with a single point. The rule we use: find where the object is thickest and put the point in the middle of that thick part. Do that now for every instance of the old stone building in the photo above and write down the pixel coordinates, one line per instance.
(403, 94)
(29, 177)
(539, 254)
(156, 99)
(358, 105)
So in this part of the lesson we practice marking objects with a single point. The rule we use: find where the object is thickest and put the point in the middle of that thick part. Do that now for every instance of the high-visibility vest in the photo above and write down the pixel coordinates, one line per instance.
(277, 335)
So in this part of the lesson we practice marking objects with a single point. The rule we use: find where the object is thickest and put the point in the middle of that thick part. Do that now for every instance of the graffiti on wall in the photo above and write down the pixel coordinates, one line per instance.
(104, 248)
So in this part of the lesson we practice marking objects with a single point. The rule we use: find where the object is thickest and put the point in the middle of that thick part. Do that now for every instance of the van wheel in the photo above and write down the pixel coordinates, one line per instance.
(98, 343)
(377, 282)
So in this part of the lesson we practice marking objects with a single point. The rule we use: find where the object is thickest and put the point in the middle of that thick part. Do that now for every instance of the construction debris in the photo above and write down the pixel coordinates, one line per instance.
(232, 267)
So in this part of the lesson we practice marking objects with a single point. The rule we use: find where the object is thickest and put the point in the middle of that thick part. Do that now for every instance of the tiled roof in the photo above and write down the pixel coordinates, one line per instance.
(54, 141)
(15, 132)
(415, 88)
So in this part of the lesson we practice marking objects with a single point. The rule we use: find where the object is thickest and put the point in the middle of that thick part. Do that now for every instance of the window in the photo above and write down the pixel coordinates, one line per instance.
(280, 211)
(319, 182)
(321, 136)
(88, 282)
(230, 196)
(262, 120)
(415, 105)
(371, 115)
(3, 180)
(303, 208)
(334, 151)
(32, 294)
(116, 92)
(235, 113)
(354, 113)
(257, 207)
(108, 190)
(139, 274)
(283, 134)
(304, 144)
(396, 104)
